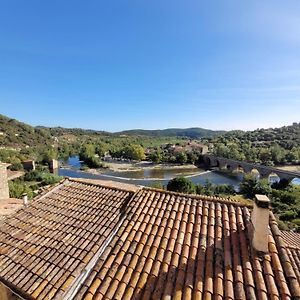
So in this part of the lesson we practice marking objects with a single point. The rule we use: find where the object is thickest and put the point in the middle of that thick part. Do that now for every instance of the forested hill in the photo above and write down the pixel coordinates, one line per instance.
(273, 146)
(194, 133)
(14, 133)
(17, 134)
(286, 136)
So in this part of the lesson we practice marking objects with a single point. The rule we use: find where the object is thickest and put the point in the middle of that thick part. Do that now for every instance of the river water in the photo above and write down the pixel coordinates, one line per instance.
(148, 176)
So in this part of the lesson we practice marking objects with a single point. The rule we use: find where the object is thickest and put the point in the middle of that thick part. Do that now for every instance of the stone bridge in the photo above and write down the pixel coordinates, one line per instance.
(242, 166)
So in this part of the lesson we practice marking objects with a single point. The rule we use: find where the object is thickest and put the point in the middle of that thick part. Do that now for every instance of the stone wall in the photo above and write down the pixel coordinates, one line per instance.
(4, 191)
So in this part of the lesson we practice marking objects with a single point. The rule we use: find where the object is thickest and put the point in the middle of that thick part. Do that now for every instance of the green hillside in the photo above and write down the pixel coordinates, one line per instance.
(17, 134)
(194, 133)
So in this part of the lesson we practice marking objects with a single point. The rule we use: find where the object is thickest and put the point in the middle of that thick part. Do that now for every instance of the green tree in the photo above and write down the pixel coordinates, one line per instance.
(181, 158)
(155, 156)
(134, 152)
(182, 185)
(251, 186)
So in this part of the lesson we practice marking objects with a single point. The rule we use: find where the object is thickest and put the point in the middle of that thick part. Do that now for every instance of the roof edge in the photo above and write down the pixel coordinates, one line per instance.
(284, 258)
(99, 182)
(202, 197)
(16, 291)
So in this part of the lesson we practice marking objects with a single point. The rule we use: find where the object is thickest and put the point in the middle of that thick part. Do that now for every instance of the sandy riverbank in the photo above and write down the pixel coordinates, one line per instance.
(292, 168)
(138, 166)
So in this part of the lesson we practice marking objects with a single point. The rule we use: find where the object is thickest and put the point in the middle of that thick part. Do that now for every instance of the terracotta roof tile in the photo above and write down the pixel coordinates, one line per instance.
(166, 246)
(192, 248)
(46, 245)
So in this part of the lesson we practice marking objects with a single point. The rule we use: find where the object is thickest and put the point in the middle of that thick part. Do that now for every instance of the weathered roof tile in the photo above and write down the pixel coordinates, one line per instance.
(166, 245)
(48, 243)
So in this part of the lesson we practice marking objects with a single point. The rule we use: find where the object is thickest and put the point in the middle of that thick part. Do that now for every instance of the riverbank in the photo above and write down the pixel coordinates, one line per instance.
(292, 168)
(121, 166)
(144, 165)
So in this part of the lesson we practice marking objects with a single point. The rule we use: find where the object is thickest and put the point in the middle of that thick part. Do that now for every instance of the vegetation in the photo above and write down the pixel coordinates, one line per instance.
(285, 199)
(182, 185)
(16, 134)
(31, 182)
(269, 147)
(193, 133)
(251, 185)
(273, 146)
(185, 185)
(88, 155)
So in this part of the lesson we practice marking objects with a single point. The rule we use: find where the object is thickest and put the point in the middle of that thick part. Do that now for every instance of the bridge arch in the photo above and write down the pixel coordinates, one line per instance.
(273, 177)
(260, 171)
(255, 172)
(239, 169)
(207, 161)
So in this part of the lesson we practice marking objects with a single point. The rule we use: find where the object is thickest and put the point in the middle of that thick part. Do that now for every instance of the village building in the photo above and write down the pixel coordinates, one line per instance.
(86, 239)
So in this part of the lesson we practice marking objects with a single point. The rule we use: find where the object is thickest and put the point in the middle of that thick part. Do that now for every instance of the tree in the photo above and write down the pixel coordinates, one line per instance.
(134, 152)
(247, 185)
(87, 150)
(155, 157)
(251, 186)
(181, 158)
(88, 155)
(262, 187)
(277, 154)
(182, 185)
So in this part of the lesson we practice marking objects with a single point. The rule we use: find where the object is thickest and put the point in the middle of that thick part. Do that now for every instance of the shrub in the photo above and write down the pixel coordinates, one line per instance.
(48, 178)
(17, 188)
(181, 184)
(282, 225)
(288, 215)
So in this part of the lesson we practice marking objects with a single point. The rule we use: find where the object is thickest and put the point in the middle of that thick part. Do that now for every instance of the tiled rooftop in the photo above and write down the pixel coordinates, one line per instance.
(181, 247)
(156, 245)
(10, 205)
(45, 246)
(292, 241)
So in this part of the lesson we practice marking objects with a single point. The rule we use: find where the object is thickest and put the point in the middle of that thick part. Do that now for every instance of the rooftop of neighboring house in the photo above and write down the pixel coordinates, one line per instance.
(91, 240)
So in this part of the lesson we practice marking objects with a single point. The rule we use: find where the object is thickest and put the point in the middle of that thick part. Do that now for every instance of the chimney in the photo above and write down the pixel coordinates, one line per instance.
(25, 199)
(260, 221)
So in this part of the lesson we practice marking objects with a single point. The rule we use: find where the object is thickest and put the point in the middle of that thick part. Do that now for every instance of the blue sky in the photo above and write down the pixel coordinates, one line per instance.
(116, 65)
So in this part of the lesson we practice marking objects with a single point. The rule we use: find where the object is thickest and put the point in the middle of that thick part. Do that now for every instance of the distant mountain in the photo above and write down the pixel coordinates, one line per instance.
(193, 133)
(14, 133)
(59, 131)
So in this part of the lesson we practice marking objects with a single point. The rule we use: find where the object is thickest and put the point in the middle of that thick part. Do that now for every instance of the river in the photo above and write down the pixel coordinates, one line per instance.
(150, 176)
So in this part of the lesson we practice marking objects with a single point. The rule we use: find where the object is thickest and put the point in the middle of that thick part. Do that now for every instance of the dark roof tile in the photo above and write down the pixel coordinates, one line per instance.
(48, 243)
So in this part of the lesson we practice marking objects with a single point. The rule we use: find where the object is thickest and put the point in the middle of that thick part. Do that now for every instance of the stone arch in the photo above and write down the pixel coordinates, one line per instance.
(255, 172)
(229, 167)
(296, 180)
(240, 169)
(273, 177)
(222, 164)
(207, 161)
